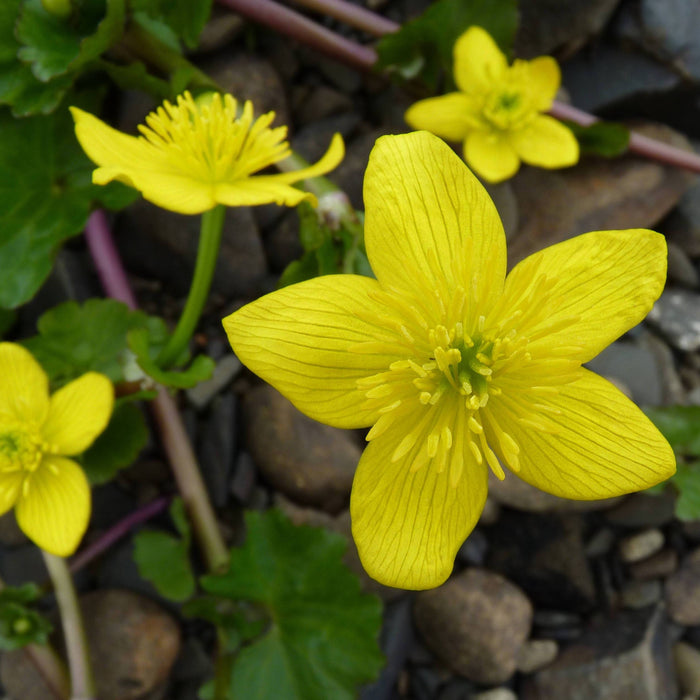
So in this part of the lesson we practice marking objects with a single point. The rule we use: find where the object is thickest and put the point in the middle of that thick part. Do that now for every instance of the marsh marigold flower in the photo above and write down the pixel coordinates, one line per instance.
(497, 112)
(194, 155)
(38, 434)
(458, 368)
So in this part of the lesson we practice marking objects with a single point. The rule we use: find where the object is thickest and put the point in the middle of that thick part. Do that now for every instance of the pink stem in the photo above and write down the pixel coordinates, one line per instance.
(290, 23)
(117, 531)
(354, 15)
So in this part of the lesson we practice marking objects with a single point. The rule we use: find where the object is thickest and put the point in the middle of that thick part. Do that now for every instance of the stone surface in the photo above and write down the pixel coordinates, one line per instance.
(682, 226)
(161, 244)
(596, 195)
(496, 694)
(624, 657)
(311, 463)
(10, 534)
(550, 26)
(660, 565)
(536, 654)
(226, 369)
(545, 555)
(677, 315)
(686, 659)
(643, 510)
(476, 624)
(21, 679)
(683, 591)
(640, 594)
(641, 545)
(516, 493)
(681, 270)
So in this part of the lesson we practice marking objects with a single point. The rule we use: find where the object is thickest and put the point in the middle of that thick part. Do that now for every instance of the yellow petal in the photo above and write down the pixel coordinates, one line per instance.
(79, 412)
(300, 339)
(430, 227)
(10, 487)
(546, 142)
(491, 155)
(604, 283)
(24, 386)
(603, 445)
(448, 116)
(54, 509)
(260, 189)
(544, 78)
(408, 524)
(329, 161)
(478, 62)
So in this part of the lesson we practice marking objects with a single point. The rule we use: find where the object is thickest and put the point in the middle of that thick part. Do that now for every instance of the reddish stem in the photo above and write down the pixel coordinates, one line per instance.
(290, 23)
(354, 15)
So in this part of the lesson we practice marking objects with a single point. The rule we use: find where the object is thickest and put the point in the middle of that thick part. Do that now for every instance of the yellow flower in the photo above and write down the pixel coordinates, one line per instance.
(497, 113)
(49, 492)
(195, 155)
(458, 368)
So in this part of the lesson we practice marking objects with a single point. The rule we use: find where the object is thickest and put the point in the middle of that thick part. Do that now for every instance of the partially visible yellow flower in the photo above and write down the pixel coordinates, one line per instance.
(38, 433)
(497, 113)
(196, 154)
(458, 368)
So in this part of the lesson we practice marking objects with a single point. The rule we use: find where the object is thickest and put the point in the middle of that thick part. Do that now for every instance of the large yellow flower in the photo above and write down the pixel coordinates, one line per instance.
(458, 368)
(38, 432)
(194, 155)
(497, 113)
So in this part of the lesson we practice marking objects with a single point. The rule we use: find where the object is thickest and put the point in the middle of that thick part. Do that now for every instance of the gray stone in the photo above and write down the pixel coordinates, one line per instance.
(224, 372)
(244, 478)
(544, 554)
(636, 367)
(611, 76)
(677, 315)
(221, 29)
(673, 390)
(600, 543)
(516, 493)
(476, 624)
(623, 657)
(660, 565)
(496, 694)
(311, 463)
(643, 510)
(682, 226)
(536, 654)
(550, 26)
(680, 268)
(683, 592)
(641, 594)
(686, 659)
(641, 545)
(10, 534)
(313, 103)
(596, 195)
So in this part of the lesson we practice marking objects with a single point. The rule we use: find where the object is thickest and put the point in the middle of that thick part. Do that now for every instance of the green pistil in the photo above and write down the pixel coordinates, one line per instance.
(509, 101)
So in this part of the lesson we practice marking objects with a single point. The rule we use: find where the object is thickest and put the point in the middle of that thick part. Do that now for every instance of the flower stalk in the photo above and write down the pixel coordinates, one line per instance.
(172, 430)
(207, 253)
(82, 680)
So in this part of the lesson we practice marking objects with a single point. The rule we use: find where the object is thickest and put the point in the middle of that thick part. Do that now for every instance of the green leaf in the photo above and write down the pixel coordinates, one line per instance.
(19, 624)
(423, 47)
(74, 339)
(46, 193)
(141, 345)
(57, 45)
(305, 268)
(680, 425)
(601, 139)
(118, 446)
(164, 560)
(186, 18)
(135, 76)
(687, 481)
(18, 85)
(322, 640)
(7, 320)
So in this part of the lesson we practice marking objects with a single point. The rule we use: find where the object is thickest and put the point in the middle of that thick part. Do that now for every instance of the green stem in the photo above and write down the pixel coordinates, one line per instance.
(209, 240)
(82, 682)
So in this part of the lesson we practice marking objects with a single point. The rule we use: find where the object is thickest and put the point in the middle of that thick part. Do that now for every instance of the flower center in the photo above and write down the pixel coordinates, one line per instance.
(20, 448)
(206, 139)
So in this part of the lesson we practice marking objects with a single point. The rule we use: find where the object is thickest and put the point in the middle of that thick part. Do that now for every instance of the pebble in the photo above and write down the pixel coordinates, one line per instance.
(680, 268)
(536, 654)
(641, 545)
(640, 594)
(686, 659)
(677, 315)
(659, 565)
(683, 592)
(311, 463)
(476, 624)
(226, 369)
(496, 694)
(641, 510)
(600, 543)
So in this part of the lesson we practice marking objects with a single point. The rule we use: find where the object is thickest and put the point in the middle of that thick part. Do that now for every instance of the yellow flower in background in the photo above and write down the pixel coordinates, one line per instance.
(196, 154)
(458, 368)
(38, 433)
(497, 113)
